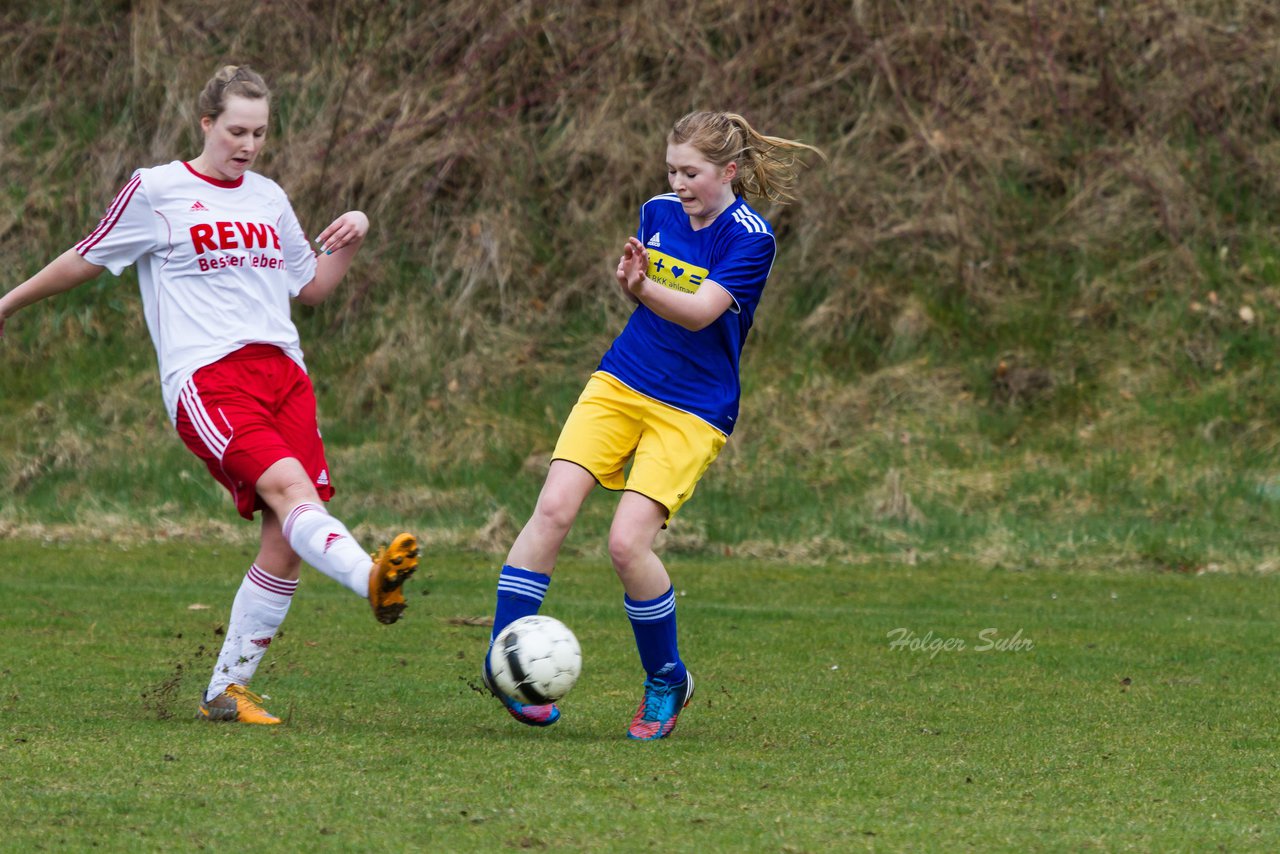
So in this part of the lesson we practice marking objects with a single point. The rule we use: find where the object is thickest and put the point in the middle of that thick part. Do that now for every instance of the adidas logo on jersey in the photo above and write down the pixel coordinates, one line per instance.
(656, 240)
(198, 206)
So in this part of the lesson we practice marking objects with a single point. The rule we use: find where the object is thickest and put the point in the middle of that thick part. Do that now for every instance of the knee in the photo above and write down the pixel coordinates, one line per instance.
(555, 513)
(624, 550)
(286, 489)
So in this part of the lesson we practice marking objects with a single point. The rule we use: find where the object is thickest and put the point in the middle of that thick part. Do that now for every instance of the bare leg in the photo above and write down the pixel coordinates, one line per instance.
(285, 485)
(636, 524)
(275, 556)
(527, 572)
(651, 608)
(538, 544)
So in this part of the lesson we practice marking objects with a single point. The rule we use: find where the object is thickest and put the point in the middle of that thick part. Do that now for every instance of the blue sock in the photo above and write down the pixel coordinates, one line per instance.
(520, 594)
(654, 624)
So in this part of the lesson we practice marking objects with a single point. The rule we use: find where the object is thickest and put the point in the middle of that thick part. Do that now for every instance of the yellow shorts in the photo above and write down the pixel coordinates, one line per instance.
(669, 448)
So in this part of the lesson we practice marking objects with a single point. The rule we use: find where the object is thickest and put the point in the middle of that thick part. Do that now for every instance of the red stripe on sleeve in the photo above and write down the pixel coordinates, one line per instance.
(111, 217)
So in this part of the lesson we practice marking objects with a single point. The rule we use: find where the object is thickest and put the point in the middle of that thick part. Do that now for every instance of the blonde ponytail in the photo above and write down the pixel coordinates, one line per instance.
(767, 165)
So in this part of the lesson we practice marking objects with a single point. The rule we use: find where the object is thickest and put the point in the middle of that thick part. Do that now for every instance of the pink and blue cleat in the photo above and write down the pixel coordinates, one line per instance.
(525, 713)
(660, 708)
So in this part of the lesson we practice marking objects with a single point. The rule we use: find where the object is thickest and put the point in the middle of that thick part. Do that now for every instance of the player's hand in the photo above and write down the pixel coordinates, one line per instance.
(347, 230)
(633, 269)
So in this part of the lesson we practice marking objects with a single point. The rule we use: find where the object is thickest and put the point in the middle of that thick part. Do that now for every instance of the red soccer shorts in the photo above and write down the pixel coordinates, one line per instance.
(246, 412)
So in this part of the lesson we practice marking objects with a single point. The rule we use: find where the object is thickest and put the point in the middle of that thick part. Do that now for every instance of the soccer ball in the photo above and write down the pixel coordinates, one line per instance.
(535, 660)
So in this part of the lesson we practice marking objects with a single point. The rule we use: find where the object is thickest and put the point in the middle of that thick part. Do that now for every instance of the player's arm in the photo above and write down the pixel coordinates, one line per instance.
(60, 275)
(693, 311)
(338, 246)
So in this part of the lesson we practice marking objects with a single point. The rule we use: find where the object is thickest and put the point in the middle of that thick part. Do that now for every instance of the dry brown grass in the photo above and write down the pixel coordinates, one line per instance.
(502, 150)
(505, 147)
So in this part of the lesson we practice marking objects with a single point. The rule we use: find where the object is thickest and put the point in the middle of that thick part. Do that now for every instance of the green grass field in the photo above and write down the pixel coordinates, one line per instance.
(1010, 387)
(891, 708)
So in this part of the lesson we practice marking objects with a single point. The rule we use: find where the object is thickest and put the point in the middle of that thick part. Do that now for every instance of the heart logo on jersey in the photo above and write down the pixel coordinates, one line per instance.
(677, 271)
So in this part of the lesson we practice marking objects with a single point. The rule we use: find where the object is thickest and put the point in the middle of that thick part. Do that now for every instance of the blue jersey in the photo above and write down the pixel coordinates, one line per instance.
(695, 371)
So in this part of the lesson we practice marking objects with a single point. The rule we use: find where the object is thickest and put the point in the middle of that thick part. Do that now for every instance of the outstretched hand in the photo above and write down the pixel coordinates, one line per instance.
(633, 269)
(347, 230)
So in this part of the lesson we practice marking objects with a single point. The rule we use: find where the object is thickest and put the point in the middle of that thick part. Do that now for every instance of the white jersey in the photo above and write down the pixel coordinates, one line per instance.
(218, 262)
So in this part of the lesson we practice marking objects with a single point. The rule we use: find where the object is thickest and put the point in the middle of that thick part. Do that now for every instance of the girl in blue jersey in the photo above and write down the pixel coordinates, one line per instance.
(665, 396)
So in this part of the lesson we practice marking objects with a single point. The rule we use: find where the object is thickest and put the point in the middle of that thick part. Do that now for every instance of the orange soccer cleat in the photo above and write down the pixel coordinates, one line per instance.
(236, 703)
(392, 566)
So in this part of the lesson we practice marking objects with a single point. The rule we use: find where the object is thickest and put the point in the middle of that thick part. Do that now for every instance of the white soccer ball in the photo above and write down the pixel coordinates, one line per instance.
(535, 660)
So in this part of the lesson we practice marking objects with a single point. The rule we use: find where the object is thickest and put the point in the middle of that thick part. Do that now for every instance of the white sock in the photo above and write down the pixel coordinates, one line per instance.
(257, 612)
(325, 543)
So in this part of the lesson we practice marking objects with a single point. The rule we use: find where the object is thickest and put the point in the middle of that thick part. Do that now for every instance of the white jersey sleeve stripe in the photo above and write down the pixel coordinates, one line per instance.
(749, 222)
(111, 217)
(200, 420)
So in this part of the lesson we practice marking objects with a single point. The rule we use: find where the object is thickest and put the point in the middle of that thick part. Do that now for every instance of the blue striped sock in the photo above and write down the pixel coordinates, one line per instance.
(654, 624)
(520, 594)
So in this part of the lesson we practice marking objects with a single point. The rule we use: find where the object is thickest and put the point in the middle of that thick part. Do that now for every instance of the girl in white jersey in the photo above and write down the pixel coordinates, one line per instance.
(665, 395)
(220, 254)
